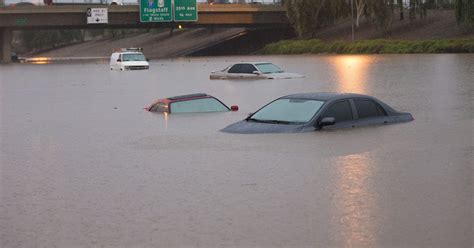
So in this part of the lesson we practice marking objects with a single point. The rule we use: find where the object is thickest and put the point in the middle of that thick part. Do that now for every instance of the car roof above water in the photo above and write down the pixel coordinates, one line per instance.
(252, 62)
(189, 96)
(132, 50)
(128, 52)
(325, 96)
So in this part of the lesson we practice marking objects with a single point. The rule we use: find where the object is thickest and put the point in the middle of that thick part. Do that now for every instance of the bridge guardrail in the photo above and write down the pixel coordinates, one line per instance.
(6, 3)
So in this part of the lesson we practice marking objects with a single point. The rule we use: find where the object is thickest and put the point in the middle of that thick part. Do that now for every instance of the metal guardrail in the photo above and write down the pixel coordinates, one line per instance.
(131, 2)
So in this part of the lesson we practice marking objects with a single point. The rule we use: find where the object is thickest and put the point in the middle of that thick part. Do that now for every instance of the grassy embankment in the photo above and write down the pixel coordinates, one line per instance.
(370, 47)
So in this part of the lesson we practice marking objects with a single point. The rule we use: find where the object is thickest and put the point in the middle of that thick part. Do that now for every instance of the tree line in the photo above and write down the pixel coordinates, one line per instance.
(464, 10)
(307, 16)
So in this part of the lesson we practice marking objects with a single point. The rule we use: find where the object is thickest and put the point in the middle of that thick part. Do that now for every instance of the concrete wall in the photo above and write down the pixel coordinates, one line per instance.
(5, 45)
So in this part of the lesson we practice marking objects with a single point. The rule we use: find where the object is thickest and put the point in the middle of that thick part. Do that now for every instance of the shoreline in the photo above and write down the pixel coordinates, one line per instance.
(378, 46)
(105, 60)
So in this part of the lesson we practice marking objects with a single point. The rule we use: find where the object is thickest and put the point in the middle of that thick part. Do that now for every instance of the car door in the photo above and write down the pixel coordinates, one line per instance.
(242, 71)
(248, 71)
(234, 72)
(342, 111)
(118, 62)
(369, 112)
(113, 61)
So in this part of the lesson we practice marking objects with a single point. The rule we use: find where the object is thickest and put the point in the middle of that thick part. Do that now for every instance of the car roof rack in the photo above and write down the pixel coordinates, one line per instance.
(188, 96)
(130, 49)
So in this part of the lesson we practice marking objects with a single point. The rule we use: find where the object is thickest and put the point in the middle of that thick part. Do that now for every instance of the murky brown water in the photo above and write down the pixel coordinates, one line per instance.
(82, 165)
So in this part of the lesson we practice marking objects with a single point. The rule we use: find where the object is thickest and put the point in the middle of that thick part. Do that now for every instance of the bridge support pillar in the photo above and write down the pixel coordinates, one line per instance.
(5, 45)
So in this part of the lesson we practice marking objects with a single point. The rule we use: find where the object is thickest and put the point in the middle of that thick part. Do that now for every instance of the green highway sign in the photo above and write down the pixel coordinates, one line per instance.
(21, 21)
(163, 10)
(156, 11)
(185, 10)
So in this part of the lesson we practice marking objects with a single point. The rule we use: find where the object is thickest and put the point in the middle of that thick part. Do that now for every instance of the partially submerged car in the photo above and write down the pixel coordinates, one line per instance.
(128, 59)
(254, 70)
(315, 111)
(193, 103)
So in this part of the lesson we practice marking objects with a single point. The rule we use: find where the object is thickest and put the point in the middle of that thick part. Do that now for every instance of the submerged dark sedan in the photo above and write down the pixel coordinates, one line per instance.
(315, 111)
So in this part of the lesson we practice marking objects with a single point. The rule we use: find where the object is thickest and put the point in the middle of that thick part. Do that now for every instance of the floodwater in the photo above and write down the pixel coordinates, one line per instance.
(83, 165)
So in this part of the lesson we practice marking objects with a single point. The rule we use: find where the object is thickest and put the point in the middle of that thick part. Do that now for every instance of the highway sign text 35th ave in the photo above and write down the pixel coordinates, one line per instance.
(185, 10)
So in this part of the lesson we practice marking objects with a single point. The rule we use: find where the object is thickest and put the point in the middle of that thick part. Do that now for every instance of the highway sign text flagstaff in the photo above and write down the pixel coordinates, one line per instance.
(156, 11)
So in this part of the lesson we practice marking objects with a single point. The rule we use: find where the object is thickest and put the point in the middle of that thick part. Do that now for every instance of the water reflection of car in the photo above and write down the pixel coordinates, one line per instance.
(128, 59)
(316, 111)
(255, 70)
(193, 103)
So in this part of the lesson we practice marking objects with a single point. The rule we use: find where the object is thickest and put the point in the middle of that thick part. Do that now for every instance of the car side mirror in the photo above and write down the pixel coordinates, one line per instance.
(327, 121)
(119, 60)
(234, 108)
(148, 60)
(256, 72)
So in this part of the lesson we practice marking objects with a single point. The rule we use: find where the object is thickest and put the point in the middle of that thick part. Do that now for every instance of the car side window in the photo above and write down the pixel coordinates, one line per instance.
(248, 68)
(367, 108)
(341, 111)
(235, 69)
(198, 105)
(242, 68)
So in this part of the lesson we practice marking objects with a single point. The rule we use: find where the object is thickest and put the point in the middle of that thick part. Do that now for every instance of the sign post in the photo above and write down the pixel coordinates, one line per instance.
(97, 15)
(156, 11)
(185, 10)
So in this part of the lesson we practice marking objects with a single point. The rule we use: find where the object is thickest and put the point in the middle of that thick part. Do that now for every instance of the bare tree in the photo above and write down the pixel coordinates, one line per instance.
(360, 7)
(464, 12)
(380, 13)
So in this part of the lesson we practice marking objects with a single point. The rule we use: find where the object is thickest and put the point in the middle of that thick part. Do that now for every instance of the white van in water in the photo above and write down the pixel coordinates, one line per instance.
(128, 59)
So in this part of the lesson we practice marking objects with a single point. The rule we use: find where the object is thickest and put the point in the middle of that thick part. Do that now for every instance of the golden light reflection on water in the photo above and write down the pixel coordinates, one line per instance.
(39, 60)
(165, 118)
(355, 201)
(352, 72)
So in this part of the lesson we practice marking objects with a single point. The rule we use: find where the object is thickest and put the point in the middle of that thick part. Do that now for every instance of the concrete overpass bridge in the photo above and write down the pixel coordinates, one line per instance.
(74, 17)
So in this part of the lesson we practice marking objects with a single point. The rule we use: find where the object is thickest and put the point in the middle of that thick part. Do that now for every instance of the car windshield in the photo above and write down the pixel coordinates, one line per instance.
(288, 111)
(133, 57)
(198, 105)
(268, 68)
